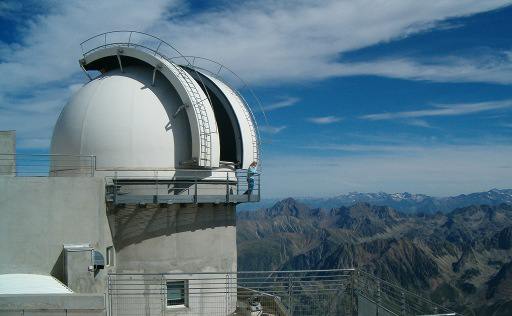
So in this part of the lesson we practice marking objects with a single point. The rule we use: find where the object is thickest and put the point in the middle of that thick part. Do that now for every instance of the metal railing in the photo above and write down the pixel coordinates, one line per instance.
(44, 165)
(393, 299)
(183, 186)
(305, 292)
(323, 292)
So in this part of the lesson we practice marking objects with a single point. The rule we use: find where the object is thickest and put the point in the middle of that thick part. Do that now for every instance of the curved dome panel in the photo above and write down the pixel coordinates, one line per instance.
(238, 112)
(125, 122)
(205, 138)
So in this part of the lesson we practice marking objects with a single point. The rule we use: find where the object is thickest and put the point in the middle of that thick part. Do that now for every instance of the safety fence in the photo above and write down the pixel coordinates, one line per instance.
(184, 186)
(243, 293)
(44, 165)
(259, 293)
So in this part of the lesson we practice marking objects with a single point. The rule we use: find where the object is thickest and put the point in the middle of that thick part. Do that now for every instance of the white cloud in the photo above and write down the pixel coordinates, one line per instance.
(272, 41)
(324, 119)
(287, 102)
(265, 41)
(443, 110)
(41, 70)
(437, 170)
(491, 69)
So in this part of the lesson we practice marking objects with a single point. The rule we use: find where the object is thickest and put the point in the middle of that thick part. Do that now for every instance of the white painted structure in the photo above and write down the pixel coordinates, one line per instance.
(20, 283)
(148, 113)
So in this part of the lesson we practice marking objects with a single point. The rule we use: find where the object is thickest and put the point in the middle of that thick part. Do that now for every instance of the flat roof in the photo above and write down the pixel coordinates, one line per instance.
(31, 284)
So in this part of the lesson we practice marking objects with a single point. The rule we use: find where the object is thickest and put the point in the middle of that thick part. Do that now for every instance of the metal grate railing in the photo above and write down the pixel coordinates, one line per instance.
(393, 299)
(242, 293)
(258, 293)
(183, 186)
(44, 165)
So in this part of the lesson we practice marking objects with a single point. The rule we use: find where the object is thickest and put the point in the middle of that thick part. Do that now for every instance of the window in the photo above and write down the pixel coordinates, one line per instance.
(176, 293)
(110, 256)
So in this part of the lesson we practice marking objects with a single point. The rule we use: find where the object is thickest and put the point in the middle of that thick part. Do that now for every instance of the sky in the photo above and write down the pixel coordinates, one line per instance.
(359, 95)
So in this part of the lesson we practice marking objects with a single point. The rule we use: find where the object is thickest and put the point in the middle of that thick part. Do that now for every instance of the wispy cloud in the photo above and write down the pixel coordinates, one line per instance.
(288, 102)
(272, 129)
(325, 119)
(492, 68)
(418, 123)
(442, 110)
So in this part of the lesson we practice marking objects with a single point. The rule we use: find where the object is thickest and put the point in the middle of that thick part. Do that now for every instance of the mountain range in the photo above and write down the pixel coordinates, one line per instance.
(403, 202)
(460, 258)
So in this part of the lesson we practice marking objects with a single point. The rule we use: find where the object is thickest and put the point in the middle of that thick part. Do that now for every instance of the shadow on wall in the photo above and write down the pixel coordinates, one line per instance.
(58, 268)
(132, 224)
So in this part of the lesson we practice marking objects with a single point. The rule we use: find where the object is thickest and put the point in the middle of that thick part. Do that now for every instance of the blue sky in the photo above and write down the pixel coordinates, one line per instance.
(361, 95)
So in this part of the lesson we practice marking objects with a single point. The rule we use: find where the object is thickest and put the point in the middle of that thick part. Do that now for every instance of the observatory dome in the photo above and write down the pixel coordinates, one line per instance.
(147, 113)
(125, 122)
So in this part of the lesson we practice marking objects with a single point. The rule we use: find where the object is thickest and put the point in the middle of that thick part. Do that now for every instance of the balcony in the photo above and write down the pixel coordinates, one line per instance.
(142, 186)
(183, 186)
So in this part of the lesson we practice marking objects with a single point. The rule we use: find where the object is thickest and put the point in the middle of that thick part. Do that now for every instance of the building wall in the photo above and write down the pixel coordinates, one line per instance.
(174, 238)
(177, 238)
(40, 215)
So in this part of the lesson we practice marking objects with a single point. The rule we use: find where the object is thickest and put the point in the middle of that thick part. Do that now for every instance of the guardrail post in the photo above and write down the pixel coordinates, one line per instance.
(378, 297)
(155, 198)
(115, 188)
(352, 292)
(290, 292)
(227, 187)
(259, 187)
(195, 190)
(403, 304)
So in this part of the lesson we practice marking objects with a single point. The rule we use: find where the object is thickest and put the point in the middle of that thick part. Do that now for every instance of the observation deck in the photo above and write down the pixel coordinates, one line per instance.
(164, 186)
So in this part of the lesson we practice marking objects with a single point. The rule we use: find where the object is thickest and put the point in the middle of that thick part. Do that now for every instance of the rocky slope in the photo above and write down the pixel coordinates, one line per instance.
(463, 258)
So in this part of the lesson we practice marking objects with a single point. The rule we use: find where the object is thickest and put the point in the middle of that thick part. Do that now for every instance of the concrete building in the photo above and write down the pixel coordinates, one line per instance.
(148, 161)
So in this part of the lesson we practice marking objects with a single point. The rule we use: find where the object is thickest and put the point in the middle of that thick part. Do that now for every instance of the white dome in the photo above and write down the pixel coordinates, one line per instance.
(125, 122)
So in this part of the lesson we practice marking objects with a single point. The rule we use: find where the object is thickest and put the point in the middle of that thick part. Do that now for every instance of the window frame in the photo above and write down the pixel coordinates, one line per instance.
(185, 294)
(110, 255)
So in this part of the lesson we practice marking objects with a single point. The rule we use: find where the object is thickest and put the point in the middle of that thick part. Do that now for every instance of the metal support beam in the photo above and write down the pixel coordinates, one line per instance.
(179, 110)
(154, 75)
(119, 51)
(157, 67)
(85, 71)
